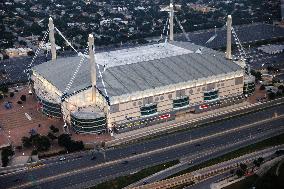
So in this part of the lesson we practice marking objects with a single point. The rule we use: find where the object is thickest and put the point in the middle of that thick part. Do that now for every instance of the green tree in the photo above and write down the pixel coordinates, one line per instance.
(239, 173)
(23, 98)
(4, 88)
(6, 153)
(27, 143)
(51, 136)
(243, 167)
(64, 140)
(41, 143)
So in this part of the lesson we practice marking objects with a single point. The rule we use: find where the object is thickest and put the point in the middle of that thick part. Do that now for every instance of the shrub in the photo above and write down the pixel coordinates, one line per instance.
(51, 136)
(27, 142)
(23, 98)
(42, 143)
(12, 94)
(19, 102)
(34, 152)
(4, 88)
(54, 129)
(262, 87)
(5, 154)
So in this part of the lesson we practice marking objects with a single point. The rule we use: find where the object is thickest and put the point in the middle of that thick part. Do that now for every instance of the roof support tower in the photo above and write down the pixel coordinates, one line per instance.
(93, 66)
(229, 38)
(52, 39)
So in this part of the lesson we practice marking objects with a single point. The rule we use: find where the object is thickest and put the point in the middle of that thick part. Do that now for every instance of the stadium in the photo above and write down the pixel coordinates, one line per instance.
(123, 89)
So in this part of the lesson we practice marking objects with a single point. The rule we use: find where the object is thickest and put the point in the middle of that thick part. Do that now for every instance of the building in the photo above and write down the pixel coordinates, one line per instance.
(134, 87)
(17, 52)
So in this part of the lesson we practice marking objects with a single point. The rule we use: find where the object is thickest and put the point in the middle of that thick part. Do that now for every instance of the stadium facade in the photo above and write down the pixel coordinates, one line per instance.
(129, 88)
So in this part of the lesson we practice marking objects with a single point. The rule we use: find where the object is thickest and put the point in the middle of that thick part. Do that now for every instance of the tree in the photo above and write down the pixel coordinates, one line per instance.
(256, 163)
(4, 88)
(239, 173)
(257, 75)
(27, 143)
(34, 152)
(12, 94)
(23, 98)
(271, 96)
(75, 146)
(260, 160)
(41, 143)
(262, 87)
(64, 140)
(51, 136)
(243, 167)
(70, 145)
(54, 129)
(6, 153)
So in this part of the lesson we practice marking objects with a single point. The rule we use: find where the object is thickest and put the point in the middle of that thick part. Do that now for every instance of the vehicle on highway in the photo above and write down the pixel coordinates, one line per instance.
(145, 182)
(62, 158)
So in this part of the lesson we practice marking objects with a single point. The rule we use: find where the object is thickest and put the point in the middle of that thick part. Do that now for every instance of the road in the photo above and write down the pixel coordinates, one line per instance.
(82, 169)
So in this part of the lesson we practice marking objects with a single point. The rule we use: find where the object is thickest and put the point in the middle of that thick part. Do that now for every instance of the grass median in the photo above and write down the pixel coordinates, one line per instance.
(124, 181)
(273, 141)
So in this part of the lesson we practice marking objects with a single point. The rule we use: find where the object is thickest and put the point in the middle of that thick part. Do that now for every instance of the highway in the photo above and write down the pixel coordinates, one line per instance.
(81, 169)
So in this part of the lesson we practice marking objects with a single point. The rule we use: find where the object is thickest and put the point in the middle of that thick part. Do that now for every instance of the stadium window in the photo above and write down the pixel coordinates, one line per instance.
(162, 98)
(148, 109)
(181, 102)
(170, 96)
(211, 95)
(134, 103)
(156, 99)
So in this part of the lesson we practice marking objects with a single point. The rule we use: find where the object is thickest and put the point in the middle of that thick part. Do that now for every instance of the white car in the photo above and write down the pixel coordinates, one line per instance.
(62, 158)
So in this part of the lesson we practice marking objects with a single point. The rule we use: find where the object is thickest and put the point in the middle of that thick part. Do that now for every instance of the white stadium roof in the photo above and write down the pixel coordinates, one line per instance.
(137, 69)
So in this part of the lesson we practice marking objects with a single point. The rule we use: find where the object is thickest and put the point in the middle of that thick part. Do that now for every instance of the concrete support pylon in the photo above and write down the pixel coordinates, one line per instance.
(93, 66)
(229, 38)
(52, 38)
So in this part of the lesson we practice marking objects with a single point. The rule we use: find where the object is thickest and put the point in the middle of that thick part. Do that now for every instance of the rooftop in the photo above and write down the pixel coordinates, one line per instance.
(137, 69)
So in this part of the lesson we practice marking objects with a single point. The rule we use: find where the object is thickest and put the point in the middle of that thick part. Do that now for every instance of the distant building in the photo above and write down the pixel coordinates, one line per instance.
(201, 8)
(272, 49)
(16, 52)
